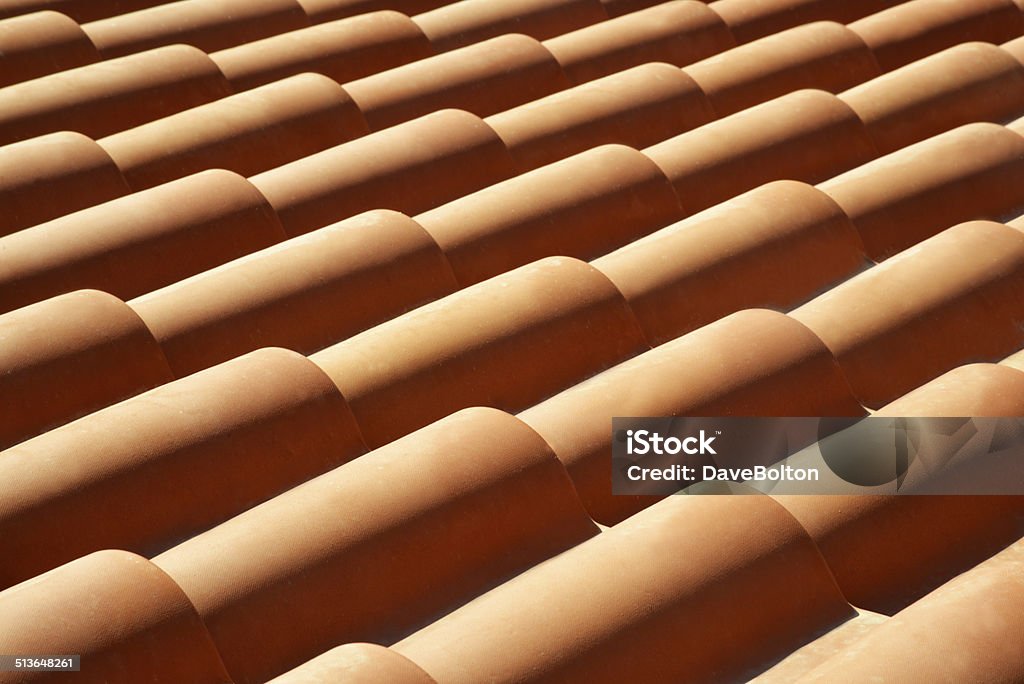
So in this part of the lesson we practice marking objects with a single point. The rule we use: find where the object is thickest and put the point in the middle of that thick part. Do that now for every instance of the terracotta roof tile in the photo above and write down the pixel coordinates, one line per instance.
(53, 175)
(616, 8)
(580, 207)
(703, 561)
(445, 526)
(205, 24)
(967, 83)
(356, 664)
(808, 135)
(131, 623)
(320, 11)
(246, 133)
(456, 352)
(967, 628)
(470, 21)
(483, 78)
(821, 55)
(752, 19)
(775, 247)
(70, 355)
(972, 172)
(106, 97)
(363, 270)
(788, 371)
(884, 550)
(972, 312)
(41, 43)
(1015, 360)
(1015, 47)
(915, 29)
(138, 243)
(636, 107)
(980, 389)
(160, 467)
(343, 50)
(79, 10)
(678, 32)
(410, 168)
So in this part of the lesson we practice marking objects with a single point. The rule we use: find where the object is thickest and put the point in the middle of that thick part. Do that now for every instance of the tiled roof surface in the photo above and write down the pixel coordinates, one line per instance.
(314, 315)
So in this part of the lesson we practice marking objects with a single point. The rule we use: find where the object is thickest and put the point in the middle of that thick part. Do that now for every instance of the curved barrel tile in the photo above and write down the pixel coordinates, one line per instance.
(738, 569)
(483, 78)
(972, 172)
(459, 24)
(245, 133)
(807, 136)
(635, 107)
(912, 30)
(887, 344)
(967, 83)
(343, 50)
(754, 363)
(170, 463)
(356, 664)
(303, 294)
(822, 55)
(774, 247)
(205, 24)
(752, 19)
(409, 168)
(555, 321)
(138, 243)
(68, 356)
(580, 207)
(679, 32)
(380, 546)
(122, 614)
(41, 43)
(110, 96)
(52, 175)
(965, 630)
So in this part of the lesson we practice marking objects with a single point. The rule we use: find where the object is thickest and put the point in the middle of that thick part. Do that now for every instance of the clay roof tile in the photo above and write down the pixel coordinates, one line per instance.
(41, 43)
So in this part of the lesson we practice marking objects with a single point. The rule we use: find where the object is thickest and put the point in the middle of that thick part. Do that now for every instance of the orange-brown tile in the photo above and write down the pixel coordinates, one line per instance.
(356, 664)
(967, 83)
(106, 97)
(752, 19)
(773, 247)
(966, 629)
(755, 362)
(52, 175)
(738, 569)
(246, 133)
(979, 389)
(916, 29)
(320, 11)
(79, 10)
(972, 172)
(483, 78)
(162, 466)
(636, 107)
(953, 299)
(344, 50)
(206, 24)
(129, 622)
(822, 55)
(678, 32)
(808, 135)
(41, 43)
(580, 207)
(303, 294)
(470, 21)
(381, 545)
(68, 356)
(409, 168)
(138, 243)
(555, 321)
